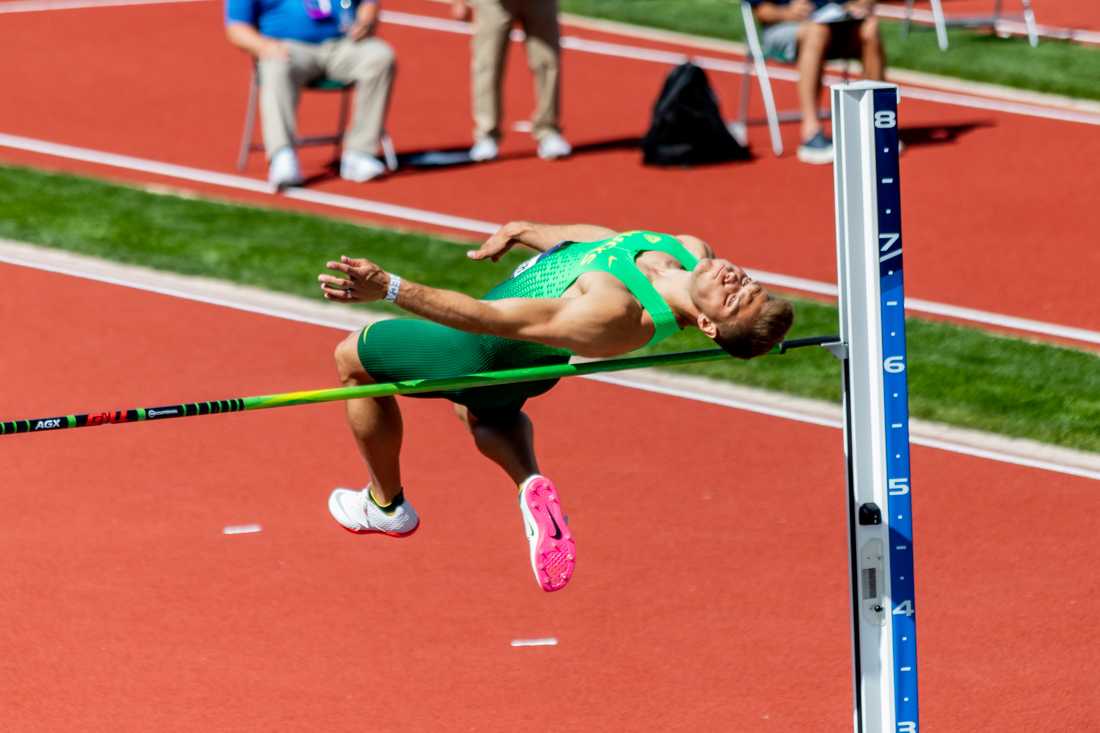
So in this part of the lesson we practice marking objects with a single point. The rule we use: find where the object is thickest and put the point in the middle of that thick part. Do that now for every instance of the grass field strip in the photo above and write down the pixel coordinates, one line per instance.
(1004, 25)
(476, 226)
(344, 318)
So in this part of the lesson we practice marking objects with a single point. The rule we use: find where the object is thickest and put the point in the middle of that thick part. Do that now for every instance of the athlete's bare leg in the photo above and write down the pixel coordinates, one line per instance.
(510, 446)
(375, 424)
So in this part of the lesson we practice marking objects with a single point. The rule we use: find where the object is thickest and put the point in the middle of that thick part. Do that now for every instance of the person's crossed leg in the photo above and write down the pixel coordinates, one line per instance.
(503, 435)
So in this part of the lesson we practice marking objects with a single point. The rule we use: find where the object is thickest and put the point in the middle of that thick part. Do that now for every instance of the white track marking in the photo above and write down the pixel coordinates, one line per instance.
(243, 183)
(476, 226)
(547, 641)
(621, 50)
(343, 318)
(424, 22)
(242, 529)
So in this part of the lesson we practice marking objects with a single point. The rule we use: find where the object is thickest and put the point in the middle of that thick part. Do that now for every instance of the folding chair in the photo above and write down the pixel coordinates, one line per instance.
(336, 139)
(942, 22)
(772, 117)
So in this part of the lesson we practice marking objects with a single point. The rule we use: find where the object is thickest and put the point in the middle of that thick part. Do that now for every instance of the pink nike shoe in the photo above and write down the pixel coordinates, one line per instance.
(553, 551)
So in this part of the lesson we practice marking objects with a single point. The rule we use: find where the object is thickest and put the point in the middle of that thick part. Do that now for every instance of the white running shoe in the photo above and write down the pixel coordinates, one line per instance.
(359, 167)
(283, 171)
(357, 512)
(553, 551)
(485, 148)
(554, 146)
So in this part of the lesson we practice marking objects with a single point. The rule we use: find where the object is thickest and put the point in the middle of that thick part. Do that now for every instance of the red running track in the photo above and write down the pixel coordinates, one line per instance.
(998, 207)
(711, 590)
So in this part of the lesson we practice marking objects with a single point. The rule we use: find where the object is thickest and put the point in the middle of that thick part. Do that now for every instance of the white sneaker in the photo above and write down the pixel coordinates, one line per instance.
(554, 146)
(283, 170)
(485, 148)
(359, 167)
(357, 512)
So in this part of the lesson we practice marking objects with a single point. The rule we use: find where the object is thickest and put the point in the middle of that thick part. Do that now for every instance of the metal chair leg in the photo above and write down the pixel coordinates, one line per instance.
(249, 122)
(342, 124)
(941, 24)
(1029, 21)
(762, 77)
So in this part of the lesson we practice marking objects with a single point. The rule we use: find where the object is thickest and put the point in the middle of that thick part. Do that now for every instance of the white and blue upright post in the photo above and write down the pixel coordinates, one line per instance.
(876, 423)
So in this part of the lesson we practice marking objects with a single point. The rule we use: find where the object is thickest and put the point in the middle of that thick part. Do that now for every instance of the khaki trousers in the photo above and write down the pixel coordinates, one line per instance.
(493, 21)
(369, 63)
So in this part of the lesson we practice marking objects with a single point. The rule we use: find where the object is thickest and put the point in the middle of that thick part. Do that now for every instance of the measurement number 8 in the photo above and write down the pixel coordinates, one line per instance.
(886, 119)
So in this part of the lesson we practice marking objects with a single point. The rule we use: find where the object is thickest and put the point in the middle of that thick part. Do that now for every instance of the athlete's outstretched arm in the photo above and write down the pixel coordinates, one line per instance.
(539, 237)
(585, 325)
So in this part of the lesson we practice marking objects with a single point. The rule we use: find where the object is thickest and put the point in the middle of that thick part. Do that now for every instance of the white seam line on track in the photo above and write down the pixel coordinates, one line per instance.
(736, 67)
(774, 405)
(631, 52)
(225, 180)
(243, 183)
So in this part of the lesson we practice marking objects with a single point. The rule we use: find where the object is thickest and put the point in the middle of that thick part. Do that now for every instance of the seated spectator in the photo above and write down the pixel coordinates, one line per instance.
(493, 21)
(297, 41)
(809, 33)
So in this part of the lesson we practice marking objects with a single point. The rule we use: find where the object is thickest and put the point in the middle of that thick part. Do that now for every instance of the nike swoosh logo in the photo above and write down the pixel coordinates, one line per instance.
(557, 530)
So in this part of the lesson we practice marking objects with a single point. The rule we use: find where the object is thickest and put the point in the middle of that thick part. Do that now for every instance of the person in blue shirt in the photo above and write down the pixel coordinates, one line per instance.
(809, 32)
(295, 42)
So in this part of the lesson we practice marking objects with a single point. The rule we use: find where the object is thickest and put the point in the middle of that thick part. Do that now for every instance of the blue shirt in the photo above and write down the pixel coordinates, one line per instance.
(288, 19)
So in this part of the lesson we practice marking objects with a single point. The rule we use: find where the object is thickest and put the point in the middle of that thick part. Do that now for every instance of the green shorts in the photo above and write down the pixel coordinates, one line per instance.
(407, 348)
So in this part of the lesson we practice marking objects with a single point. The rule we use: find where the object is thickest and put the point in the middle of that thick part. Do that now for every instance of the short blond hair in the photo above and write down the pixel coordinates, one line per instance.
(758, 336)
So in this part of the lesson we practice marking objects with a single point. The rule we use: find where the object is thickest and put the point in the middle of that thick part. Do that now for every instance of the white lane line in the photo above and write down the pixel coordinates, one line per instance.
(242, 529)
(546, 641)
(620, 50)
(38, 6)
(244, 183)
(817, 419)
(342, 318)
(476, 226)
(623, 51)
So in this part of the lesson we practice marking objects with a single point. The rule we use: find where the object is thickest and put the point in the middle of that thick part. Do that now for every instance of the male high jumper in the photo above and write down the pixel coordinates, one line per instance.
(589, 292)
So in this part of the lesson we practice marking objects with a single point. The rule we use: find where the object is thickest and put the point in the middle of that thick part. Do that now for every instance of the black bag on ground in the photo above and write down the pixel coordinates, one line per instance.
(687, 126)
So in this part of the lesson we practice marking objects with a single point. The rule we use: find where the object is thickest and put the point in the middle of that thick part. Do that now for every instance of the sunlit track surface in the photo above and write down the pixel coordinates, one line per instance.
(149, 604)
(978, 216)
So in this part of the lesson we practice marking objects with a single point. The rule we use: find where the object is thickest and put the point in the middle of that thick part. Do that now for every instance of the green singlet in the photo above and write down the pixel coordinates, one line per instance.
(409, 348)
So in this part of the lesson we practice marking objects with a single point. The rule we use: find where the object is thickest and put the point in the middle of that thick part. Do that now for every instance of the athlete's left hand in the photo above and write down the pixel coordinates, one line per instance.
(362, 281)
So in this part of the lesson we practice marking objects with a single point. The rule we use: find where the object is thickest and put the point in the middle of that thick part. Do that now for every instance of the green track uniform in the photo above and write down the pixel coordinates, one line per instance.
(409, 348)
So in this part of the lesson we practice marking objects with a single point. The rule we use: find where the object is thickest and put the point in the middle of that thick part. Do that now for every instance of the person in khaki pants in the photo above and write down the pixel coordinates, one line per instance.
(493, 20)
(296, 41)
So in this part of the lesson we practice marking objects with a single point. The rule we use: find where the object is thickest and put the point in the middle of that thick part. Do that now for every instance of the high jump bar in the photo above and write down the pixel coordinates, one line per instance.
(384, 389)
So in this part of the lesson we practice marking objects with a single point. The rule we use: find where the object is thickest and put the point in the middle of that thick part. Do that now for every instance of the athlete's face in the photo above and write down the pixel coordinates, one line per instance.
(724, 294)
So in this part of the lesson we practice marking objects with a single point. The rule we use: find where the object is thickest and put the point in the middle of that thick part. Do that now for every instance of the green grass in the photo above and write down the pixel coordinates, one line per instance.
(956, 375)
(1056, 67)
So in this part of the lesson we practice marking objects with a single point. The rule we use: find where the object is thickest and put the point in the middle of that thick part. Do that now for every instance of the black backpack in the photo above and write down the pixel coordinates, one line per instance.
(687, 127)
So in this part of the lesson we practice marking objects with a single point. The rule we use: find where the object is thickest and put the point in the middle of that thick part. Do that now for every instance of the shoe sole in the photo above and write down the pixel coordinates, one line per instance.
(552, 559)
(815, 158)
(335, 508)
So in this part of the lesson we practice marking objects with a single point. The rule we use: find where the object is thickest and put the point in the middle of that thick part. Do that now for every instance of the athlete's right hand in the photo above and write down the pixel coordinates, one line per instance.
(362, 281)
(497, 245)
